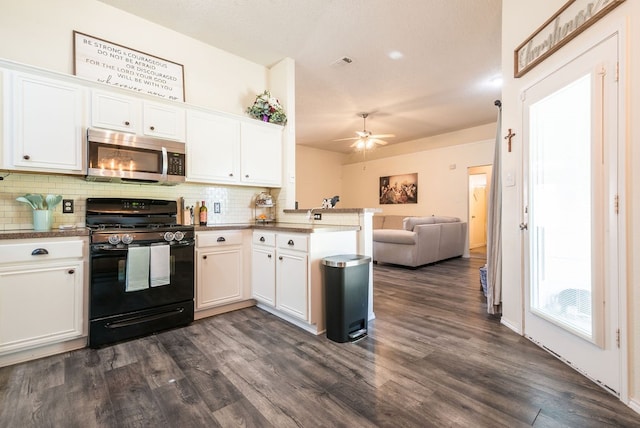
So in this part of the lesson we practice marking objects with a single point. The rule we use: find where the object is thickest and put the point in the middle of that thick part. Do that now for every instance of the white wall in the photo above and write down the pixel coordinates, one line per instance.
(40, 33)
(318, 176)
(520, 20)
(442, 179)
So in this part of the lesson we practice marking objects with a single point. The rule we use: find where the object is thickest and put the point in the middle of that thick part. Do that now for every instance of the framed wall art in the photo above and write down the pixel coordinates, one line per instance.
(115, 65)
(399, 189)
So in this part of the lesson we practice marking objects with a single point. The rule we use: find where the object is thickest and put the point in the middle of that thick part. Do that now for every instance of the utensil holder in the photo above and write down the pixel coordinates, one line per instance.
(42, 220)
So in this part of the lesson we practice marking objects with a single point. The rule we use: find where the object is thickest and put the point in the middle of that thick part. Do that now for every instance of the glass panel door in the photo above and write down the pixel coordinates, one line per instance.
(561, 193)
(570, 224)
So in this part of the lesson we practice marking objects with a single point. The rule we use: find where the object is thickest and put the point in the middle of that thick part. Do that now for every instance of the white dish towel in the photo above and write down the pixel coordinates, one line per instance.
(159, 265)
(137, 268)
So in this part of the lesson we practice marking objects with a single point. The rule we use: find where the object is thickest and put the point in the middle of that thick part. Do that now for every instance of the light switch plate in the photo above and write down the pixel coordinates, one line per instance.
(216, 207)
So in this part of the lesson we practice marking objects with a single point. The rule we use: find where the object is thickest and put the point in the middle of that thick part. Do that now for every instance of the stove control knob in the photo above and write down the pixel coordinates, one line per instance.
(179, 236)
(127, 239)
(168, 236)
(114, 239)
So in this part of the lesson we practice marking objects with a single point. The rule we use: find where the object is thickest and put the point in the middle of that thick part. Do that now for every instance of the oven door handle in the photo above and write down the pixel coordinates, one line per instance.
(143, 318)
(165, 162)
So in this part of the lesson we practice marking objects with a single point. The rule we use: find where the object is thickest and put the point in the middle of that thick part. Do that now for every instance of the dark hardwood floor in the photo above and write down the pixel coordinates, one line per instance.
(433, 358)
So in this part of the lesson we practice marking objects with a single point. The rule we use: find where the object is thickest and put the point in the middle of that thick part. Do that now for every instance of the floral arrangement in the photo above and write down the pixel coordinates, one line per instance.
(267, 109)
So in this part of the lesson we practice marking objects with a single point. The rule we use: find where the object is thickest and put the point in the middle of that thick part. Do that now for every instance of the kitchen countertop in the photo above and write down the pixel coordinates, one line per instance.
(334, 210)
(281, 227)
(53, 233)
(276, 227)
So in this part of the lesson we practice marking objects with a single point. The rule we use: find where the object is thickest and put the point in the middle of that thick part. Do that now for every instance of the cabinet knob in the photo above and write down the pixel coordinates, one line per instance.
(127, 123)
(290, 242)
(246, 176)
(26, 157)
(262, 239)
(268, 256)
(221, 239)
(231, 174)
(153, 128)
(39, 252)
(71, 271)
(204, 257)
(280, 258)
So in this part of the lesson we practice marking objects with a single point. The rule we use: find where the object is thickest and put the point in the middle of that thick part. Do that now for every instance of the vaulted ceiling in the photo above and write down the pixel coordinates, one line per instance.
(419, 67)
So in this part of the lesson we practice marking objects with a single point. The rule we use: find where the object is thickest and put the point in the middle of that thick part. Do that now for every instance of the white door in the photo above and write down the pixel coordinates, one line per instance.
(571, 258)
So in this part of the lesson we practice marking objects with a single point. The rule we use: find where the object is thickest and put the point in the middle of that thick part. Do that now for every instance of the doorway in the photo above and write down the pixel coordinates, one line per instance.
(570, 217)
(479, 181)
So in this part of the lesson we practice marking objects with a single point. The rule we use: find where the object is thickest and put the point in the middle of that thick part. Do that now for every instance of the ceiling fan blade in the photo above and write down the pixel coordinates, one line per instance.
(382, 136)
(355, 144)
(345, 139)
(379, 142)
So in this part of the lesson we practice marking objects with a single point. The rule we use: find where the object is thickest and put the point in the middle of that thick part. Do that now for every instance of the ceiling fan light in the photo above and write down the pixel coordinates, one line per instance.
(369, 144)
(361, 145)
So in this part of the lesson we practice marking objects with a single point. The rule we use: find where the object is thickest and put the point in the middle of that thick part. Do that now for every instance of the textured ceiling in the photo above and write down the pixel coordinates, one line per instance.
(445, 80)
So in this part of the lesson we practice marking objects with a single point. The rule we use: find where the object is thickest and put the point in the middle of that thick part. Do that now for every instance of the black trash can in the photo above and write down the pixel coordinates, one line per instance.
(346, 296)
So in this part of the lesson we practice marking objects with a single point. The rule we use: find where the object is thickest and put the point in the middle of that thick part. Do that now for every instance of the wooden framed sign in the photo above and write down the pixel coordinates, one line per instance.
(572, 19)
(112, 64)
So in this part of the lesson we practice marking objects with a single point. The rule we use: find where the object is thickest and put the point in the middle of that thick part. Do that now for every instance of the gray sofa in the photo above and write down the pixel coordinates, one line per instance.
(416, 241)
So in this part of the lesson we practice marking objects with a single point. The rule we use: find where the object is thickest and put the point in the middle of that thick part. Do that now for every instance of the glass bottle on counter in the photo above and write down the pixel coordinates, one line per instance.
(203, 214)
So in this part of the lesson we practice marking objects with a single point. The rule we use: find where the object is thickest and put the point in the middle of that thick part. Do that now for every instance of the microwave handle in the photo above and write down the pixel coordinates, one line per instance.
(165, 162)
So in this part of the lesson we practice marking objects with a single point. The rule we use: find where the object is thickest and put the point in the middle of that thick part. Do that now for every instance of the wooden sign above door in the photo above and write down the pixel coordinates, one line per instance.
(572, 19)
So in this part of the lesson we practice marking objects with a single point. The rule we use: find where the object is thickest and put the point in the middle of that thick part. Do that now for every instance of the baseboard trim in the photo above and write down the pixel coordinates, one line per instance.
(205, 313)
(635, 405)
(512, 326)
(42, 351)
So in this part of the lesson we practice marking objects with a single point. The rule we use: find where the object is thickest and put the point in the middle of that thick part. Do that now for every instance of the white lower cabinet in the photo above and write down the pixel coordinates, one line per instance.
(263, 274)
(220, 274)
(292, 294)
(42, 296)
(287, 273)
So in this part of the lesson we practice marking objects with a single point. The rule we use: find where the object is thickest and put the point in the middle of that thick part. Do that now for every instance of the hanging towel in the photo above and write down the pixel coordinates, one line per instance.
(159, 265)
(137, 268)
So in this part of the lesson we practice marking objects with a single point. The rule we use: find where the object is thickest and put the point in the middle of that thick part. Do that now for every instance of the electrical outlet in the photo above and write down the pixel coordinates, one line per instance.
(216, 207)
(317, 216)
(67, 206)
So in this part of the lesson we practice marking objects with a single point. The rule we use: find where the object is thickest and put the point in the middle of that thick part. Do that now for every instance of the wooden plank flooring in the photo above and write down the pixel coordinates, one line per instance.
(433, 358)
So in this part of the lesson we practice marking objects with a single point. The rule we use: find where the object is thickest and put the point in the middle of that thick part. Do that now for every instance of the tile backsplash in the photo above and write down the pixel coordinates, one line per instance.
(236, 202)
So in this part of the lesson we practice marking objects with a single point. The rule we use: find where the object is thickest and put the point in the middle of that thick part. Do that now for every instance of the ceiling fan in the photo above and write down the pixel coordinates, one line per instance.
(365, 139)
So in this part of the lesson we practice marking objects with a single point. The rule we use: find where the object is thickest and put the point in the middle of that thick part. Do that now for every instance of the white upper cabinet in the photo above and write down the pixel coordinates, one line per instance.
(261, 154)
(116, 112)
(44, 124)
(223, 149)
(121, 113)
(213, 148)
(163, 121)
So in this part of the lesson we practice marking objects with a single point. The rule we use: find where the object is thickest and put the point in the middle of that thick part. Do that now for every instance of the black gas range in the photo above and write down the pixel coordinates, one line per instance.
(141, 268)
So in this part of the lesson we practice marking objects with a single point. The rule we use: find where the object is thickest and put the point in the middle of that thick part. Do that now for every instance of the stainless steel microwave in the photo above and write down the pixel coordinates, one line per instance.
(121, 157)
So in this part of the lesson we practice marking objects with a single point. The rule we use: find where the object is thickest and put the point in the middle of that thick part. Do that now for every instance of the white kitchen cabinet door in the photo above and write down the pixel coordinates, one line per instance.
(292, 283)
(113, 111)
(213, 148)
(263, 275)
(219, 277)
(40, 304)
(163, 121)
(44, 121)
(261, 154)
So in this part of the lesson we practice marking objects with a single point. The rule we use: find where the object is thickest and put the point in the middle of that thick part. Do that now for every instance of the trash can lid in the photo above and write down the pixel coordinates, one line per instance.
(345, 260)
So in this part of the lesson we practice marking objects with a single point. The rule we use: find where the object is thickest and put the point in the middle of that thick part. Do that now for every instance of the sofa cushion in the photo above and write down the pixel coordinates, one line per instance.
(393, 222)
(410, 222)
(378, 221)
(443, 219)
(394, 236)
